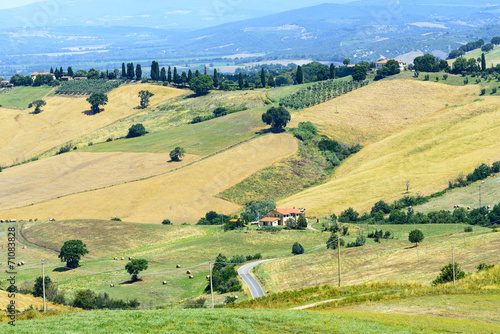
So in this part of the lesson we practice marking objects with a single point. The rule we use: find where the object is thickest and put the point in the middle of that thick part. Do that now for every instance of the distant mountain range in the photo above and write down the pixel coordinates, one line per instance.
(89, 33)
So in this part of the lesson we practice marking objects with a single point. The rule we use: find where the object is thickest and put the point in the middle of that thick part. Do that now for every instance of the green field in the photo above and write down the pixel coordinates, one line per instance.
(200, 138)
(21, 97)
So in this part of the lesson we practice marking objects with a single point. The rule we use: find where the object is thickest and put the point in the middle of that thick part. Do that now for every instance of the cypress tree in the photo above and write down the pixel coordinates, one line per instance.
(61, 71)
(124, 73)
(216, 78)
(56, 73)
(52, 70)
(332, 71)
(300, 75)
(177, 77)
(138, 72)
(240, 80)
(169, 78)
(163, 74)
(197, 73)
(190, 76)
(184, 77)
(130, 71)
(263, 78)
(483, 62)
(70, 72)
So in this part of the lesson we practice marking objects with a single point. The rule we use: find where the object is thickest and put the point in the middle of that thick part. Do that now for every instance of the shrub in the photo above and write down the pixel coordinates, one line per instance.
(494, 90)
(468, 229)
(197, 303)
(136, 130)
(177, 153)
(166, 222)
(297, 249)
(447, 274)
(495, 168)
(445, 76)
(332, 242)
(66, 148)
(89, 300)
(484, 266)
(483, 91)
(38, 288)
(269, 229)
(116, 219)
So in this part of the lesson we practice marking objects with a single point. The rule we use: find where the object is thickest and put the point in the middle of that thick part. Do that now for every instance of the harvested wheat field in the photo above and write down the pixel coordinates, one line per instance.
(23, 302)
(191, 191)
(77, 172)
(368, 114)
(428, 153)
(25, 135)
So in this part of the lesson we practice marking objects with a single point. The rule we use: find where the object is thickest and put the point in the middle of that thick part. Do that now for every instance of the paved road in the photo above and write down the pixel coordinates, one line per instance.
(253, 285)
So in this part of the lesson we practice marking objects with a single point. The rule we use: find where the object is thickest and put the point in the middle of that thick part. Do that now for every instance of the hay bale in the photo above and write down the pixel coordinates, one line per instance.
(24, 247)
(164, 282)
(19, 264)
(188, 272)
(123, 258)
(36, 219)
(190, 276)
(115, 258)
(208, 276)
(22, 263)
(111, 285)
(468, 208)
(235, 297)
(178, 266)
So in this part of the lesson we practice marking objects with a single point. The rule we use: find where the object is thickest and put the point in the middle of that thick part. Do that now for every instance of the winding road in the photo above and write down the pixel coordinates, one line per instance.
(253, 285)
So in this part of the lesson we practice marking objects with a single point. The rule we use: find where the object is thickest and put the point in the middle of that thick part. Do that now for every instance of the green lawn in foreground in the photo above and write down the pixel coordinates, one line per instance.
(21, 97)
(201, 138)
(204, 321)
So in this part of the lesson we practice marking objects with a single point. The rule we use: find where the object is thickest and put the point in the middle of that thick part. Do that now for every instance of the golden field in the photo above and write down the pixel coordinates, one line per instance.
(191, 191)
(25, 135)
(434, 148)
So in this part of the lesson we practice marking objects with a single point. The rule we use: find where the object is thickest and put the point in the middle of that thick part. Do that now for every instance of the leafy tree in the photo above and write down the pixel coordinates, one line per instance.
(278, 118)
(37, 104)
(332, 242)
(300, 75)
(216, 79)
(487, 47)
(177, 153)
(495, 40)
(72, 251)
(348, 216)
(416, 236)
(297, 249)
(380, 206)
(38, 288)
(96, 100)
(145, 95)
(271, 82)
(202, 84)
(163, 74)
(135, 266)
(332, 71)
(263, 77)
(257, 209)
(346, 61)
(220, 111)
(184, 77)
(136, 130)
(446, 274)
(426, 63)
(138, 72)
(240, 80)
(359, 73)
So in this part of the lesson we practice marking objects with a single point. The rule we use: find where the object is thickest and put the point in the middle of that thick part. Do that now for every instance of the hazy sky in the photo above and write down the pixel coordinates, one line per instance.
(17, 3)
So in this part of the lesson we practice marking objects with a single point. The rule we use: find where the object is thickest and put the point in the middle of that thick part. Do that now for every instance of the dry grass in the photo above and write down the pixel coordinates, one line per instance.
(25, 135)
(23, 302)
(374, 112)
(432, 150)
(376, 264)
(191, 191)
(77, 172)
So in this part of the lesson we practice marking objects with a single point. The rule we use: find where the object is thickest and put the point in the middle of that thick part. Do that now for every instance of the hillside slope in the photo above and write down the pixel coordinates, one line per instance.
(428, 152)
(190, 191)
(25, 135)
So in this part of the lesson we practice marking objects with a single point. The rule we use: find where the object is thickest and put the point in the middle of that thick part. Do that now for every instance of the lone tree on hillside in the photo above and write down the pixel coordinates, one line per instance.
(177, 153)
(416, 236)
(145, 95)
(37, 104)
(136, 130)
(96, 100)
(135, 266)
(201, 84)
(300, 75)
(346, 61)
(72, 251)
(278, 118)
(447, 274)
(359, 73)
(297, 249)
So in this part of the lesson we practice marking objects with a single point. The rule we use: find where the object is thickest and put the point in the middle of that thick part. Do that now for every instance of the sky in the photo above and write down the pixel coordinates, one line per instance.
(17, 3)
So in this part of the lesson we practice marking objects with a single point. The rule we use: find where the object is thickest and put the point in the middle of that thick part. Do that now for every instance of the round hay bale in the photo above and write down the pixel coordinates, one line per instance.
(36, 219)
(24, 247)
(164, 282)
(188, 272)
(19, 264)
(208, 276)
(468, 208)
(130, 257)
(489, 206)
(111, 285)
(123, 258)
(115, 258)
(178, 266)
(22, 263)
(191, 276)
(235, 297)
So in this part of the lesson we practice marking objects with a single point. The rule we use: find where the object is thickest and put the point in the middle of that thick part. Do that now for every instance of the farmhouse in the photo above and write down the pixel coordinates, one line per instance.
(381, 63)
(66, 78)
(34, 75)
(279, 216)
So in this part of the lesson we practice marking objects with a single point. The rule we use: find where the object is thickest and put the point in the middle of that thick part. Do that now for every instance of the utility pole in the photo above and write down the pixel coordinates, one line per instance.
(338, 256)
(453, 261)
(43, 286)
(211, 285)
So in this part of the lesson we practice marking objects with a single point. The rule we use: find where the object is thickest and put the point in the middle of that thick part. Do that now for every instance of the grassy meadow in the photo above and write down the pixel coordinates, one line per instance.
(21, 97)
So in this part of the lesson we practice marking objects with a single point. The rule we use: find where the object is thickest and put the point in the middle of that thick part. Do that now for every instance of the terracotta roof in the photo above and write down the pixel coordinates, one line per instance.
(41, 73)
(269, 219)
(287, 211)
(386, 60)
